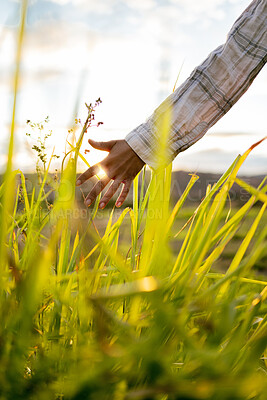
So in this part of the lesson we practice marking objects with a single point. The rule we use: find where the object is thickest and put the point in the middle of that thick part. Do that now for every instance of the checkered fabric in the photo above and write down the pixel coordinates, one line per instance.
(210, 91)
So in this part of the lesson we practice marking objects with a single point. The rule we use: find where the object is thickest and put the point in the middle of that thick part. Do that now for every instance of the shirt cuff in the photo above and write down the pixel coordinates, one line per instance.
(140, 141)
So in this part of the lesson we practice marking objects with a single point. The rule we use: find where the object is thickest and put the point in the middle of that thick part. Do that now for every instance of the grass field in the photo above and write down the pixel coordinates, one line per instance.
(159, 301)
(260, 268)
(120, 306)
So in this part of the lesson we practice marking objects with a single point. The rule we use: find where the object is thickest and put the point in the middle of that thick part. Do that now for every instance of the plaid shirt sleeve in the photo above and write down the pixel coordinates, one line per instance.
(210, 91)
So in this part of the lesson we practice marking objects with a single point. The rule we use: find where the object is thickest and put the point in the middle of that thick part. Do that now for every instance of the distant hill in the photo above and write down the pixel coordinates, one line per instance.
(179, 182)
(198, 191)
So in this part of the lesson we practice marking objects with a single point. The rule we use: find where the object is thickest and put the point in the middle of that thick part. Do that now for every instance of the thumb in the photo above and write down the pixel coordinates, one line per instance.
(106, 146)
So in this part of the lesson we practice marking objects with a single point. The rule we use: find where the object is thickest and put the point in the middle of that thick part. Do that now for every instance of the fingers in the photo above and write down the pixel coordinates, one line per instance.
(89, 173)
(109, 193)
(106, 146)
(99, 186)
(124, 193)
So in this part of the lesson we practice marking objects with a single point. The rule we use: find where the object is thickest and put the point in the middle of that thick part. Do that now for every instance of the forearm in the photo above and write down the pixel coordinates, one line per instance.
(210, 91)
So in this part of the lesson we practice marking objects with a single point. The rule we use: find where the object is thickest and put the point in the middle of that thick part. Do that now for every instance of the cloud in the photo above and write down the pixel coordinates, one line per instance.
(191, 9)
(141, 5)
(98, 7)
(200, 10)
(216, 160)
(59, 45)
(53, 35)
(50, 50)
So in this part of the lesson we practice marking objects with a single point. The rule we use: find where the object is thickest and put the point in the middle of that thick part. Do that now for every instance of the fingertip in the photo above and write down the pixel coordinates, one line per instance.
(95, 144)
(78, 182)
(118, 204)
(88, 202)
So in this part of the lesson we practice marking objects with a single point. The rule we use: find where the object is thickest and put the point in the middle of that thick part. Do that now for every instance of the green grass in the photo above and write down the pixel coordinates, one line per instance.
(132, 310)
(89, 310)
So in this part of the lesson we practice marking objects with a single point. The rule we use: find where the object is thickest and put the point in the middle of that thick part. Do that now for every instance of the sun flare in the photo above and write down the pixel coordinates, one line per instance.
(101, 173)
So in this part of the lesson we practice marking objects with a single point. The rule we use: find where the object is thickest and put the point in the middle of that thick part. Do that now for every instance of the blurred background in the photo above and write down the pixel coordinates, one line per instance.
(128, 53)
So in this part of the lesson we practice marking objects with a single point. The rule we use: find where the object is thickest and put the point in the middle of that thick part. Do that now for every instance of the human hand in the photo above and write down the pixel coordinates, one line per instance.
(121, 165)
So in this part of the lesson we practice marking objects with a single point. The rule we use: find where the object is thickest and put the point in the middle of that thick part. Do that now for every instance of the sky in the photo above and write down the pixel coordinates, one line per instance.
(128, 53)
